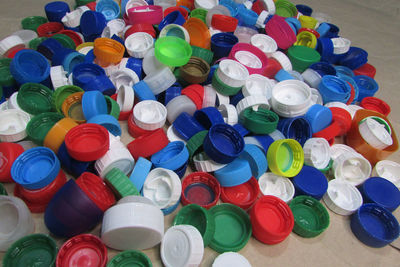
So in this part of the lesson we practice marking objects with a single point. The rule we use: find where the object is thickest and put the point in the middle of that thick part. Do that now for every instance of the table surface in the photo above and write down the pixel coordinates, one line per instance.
(370, 24)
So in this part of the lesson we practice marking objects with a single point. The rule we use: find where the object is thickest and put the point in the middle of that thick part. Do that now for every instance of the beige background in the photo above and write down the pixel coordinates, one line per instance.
(370, 24)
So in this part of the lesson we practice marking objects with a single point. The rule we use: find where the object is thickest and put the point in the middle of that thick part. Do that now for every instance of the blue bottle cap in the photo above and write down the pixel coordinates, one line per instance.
(85, 72)
(304, 9)
(297, 128)
(223, 143)
(311, 182)
(29, 66)
(109, 8)
(323, 29)
(294, 23)
(102, 84)
(60, 55)
(231, 5)
(208, 116)
(35, 168)
(325, 49)
(382, 192)
(354, 58)
(71, 165)
(323, 68)
(90, 57)
(174, 17)
(92, 24)
(333, 88)
(222, 43)
(93, 104)
(353, 83)
(333, 31)
(56, 10)
(234, 99)
(283, 75)
(343, 71)
(265, 140)
(241, 129)
(171, 157)
(246, 16)
(374, 225)
(171, 92)
(108, 122)
(213, 68)
(143, 91)
(187, 126)
(319, 117)
(367, 86)
(235, 173)
(140, 172)
(49, 47)
(71, 60)
(135, 64)
(256, 159)
(171, 209)
(119, 39)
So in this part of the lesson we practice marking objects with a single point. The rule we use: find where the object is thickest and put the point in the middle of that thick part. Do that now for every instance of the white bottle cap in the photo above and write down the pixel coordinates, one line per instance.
(316, 97)
(135, 199)
(253, 101)
(269, 5)
(317, 152)
(275, 185)
(175, 28)
(253, 141)
(258, 85)
(179, 104)
(389, 170)
(123, 76)
(342, 197)
(351, 167)
(203, 163)
(311, 77)
(353, 109)
(149, 114)
(138, 44)
(73, 19)
(265, 43)
(222, 99)
(134, 3)
(160, 80)
(26, 36)
(182, 246)
(163, 187)
(132, 226)
(231, 259)
(205, 4)
(340, 45)
(151, 64)
(296, 75)
(336, 104)
(218, 9)
(282, 59)
(4, 105)
(165, 3)
(119, 158)
(229, 113)
(248, 59)
(277, 135)
(58, 76)
(374, 133)
(114, 27)
(291, 98)
(232, 73)
(16, 222)
(125, 98)
(260, 23)
(210, 95)
(13, 125)
(10, 42)
(173, 135)
(244, 34)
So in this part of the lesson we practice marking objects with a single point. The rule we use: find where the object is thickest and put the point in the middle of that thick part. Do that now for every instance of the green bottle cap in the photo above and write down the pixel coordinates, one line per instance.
(6, 78)
(112, 107)
(120, 183)
(64, 40)
(129, 258)
(172, 51)
(222, 88)
(35, 98)
(199, 13)
(196, 142)
(302, 57)
(32, 22)
(261, 121)
(285, 9)
(61, 93)
(203, 53)
(33, 44)
(38, 127)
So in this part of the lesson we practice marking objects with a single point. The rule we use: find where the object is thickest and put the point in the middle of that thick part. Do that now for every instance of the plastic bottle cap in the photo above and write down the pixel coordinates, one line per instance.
(151, 63)
(311, 182)
(229, 259)
(26, 36)
(132, 226)
(311, 77)
(108, 51)
(84, 48)
(302, 57)
(285, 157)
(163, 187)
(10, 43)
(382, 192)
(114, 27)
(151, 14)
(375, 134)
(203, 163)
(198, 32)
(125, 98)
(172, 51)
(120, 183)
(150, 114)
(258, 85)
(124, 76)
(138, 44)
(179, 105)
(281, 32)
(29, 66)
(232, 228)
(93, 103)
(116, 157)
(134, 3)
(244, 34)
(232, 73)
(58, 76)
(160, 80)
(352, 167)
(275, 185)
(72, 19)
(175, 30)
(243, 195)
(389, 170)
(173, 135)
(130, 257)
(250, 56)
(187, 240)
(342, 197)
(171, 157)
(14, 123)
(317, 152)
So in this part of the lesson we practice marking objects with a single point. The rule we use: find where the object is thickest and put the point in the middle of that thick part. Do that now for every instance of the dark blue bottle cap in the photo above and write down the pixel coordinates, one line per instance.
(319, 117)
(102, 84)
(382, 192)
(283, 75)
(49, 47)
(29, 66)
(85, 72)
(343, 70)
(222, 43)
(297, 128)
(181, 170)
(325, 49)
(135, 64)
(311, 182)
(71, 60)
(108, 122)
(333, 31)
(71, 165)
(174, 17)
(92, 23)
(90, 57)
(143, 91)
(354, 58)
(171, 157)
(208, 116)
(93, 104)
(213, 68)
(187, 126)
(235, 173)
(367, 86)
(265, 140)
(60, 55)
(333, 88)
(374, 225)
(323, 68)
(323, 29)
(295, 23)
(171, 92)
(304, 9)
(223, 143)
(118, 39)
(56, 10)
(256, 159)
(140, 172)
(241, 129)
(234, 99)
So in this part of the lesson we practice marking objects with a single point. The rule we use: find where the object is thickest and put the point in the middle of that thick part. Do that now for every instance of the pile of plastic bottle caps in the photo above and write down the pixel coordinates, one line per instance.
(247, 113)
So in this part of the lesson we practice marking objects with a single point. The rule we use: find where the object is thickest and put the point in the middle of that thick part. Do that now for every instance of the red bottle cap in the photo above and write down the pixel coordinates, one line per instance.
(183, 11)
(8, 153)
(376, 104)
(73, 35)
(271, 219)
(309, 30)
(92, 5)
(257, 7)
(224, 23)
(196, 93)
(272, 68)
(84, 249)
(200, 188)
(96, 190)
(366, 69)
(48, 29)
(134, 130)
(352, 94)
(141, 27)
(341, 123)
(146, 145)
(87, 142)
(280, 30)
(32, 206)
(243, 195)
